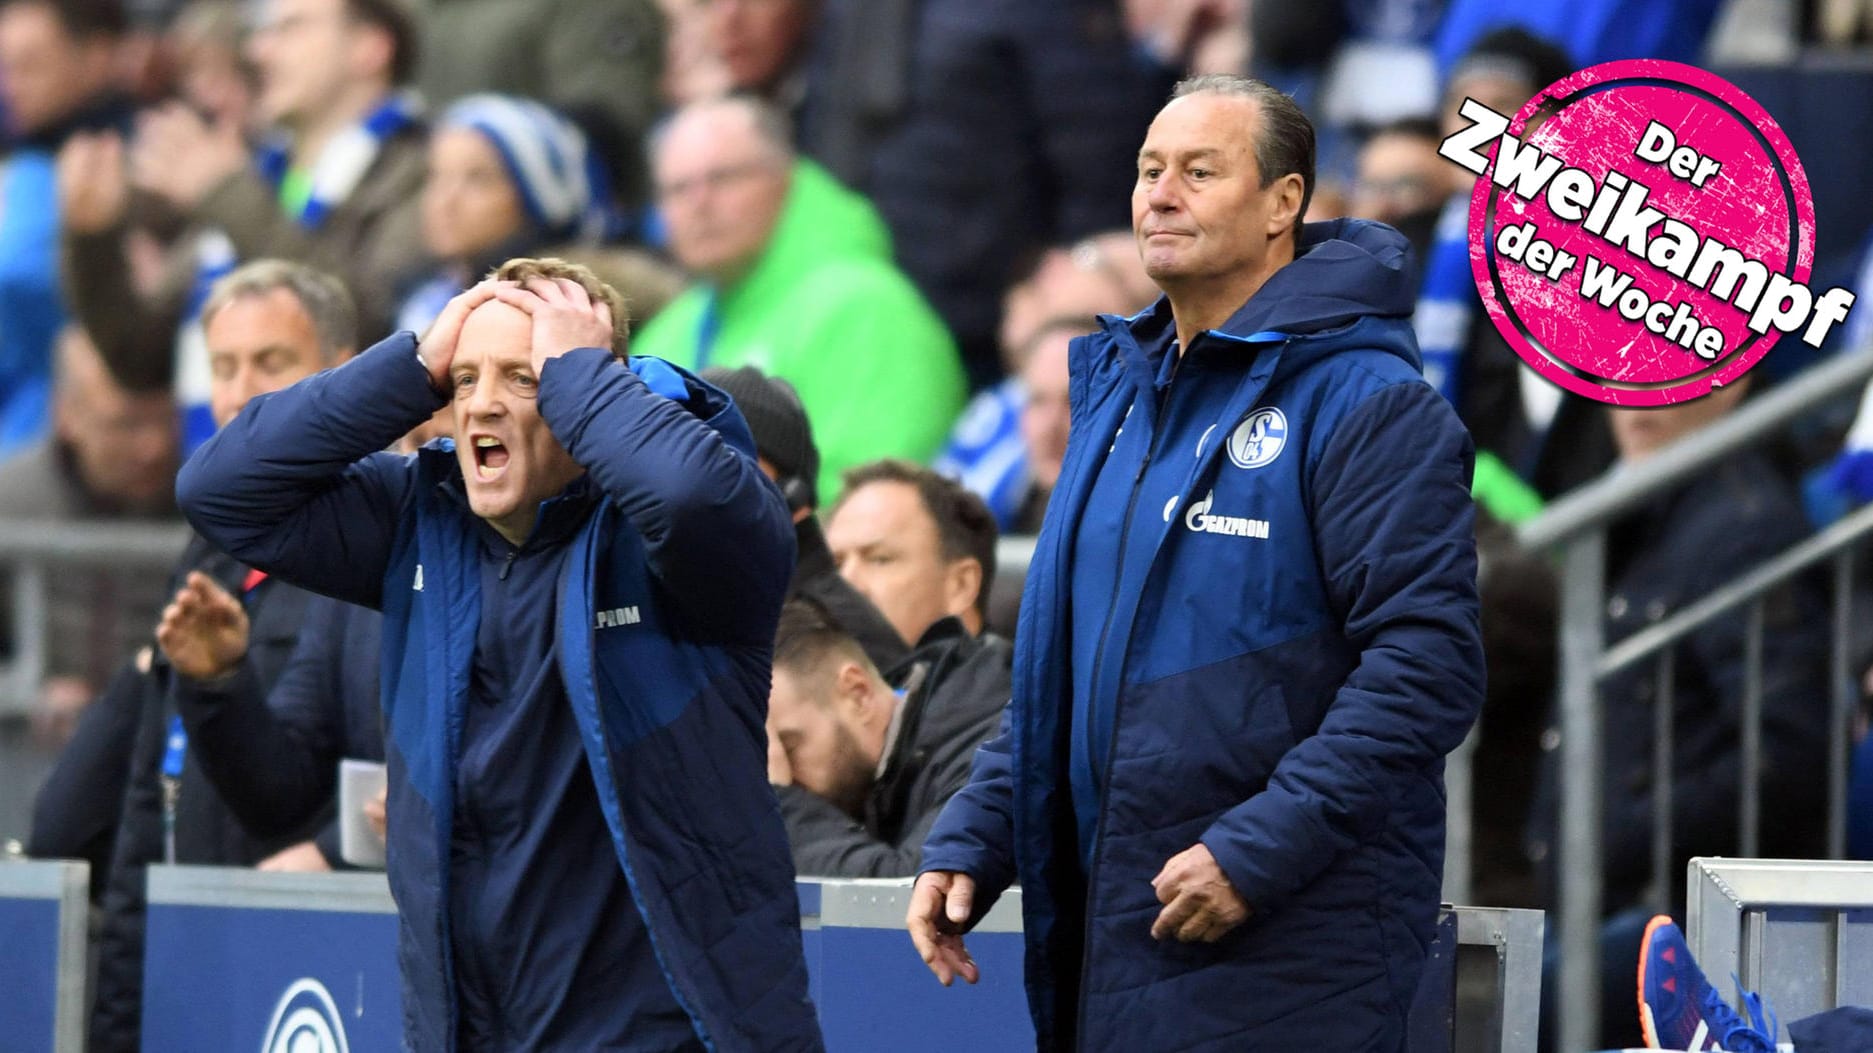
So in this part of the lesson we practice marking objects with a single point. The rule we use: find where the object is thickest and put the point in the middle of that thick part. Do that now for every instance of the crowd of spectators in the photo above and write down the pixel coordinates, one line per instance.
(877, 224)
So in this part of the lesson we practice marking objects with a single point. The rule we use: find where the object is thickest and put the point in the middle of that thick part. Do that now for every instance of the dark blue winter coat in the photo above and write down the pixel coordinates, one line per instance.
(1299, 657)
(667, 602)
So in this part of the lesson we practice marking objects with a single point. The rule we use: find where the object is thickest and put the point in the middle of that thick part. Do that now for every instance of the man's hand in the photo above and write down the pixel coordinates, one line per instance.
(181, 157)
(437, 351)
(204, 630)
(779, 767)
(1199, 902)
(376, 815)
(302, 858)
(941, 904)
(564, 317)
(94, 187)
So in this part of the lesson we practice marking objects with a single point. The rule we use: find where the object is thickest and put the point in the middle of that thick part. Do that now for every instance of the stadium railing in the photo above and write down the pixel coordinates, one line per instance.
(1575, 528)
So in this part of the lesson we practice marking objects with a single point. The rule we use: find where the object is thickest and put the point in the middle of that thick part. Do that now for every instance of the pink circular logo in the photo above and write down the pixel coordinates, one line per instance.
(1651, 237)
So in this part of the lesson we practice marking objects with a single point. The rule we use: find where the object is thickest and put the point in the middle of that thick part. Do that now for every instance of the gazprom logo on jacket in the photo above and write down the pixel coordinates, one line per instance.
(306, 1020)
(1259, 438)
(1199, 520)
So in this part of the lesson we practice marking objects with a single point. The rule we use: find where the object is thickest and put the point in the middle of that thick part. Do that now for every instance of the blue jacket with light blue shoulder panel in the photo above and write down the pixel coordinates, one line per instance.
(665, 599)
(1251, 621)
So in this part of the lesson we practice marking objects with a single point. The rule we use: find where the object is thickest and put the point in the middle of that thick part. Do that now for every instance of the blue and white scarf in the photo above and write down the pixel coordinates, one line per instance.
(339, 170)
(343, 162)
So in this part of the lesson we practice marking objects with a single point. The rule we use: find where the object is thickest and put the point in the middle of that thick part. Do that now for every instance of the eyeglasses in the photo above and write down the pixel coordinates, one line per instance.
(712, 180)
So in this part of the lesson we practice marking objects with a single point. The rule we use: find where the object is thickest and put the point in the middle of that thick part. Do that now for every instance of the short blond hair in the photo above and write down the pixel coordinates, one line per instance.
(550, 268)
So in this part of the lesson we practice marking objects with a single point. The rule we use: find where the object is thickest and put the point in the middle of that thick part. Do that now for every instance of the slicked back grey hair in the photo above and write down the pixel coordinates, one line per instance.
(334, 316)
(1284, 144)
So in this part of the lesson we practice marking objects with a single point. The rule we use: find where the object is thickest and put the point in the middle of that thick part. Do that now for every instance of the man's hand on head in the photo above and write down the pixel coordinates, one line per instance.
(204, 630)
(564, 317)
(437, 350)
(1200, 905)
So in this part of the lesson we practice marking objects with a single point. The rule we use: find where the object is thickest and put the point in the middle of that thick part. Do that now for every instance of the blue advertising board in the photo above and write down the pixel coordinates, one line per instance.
(43, 910)
(279, 963)
(306, 963)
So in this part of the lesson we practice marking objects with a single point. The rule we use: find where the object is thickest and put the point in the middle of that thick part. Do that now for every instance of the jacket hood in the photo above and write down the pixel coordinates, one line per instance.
(1347, 271)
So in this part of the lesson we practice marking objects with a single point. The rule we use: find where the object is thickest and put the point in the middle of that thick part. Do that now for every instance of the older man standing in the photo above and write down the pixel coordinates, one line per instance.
(1248, 639)
(797, 279)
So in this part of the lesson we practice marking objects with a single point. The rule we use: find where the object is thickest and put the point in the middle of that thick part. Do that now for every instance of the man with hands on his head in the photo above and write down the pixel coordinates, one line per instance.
(579, 599)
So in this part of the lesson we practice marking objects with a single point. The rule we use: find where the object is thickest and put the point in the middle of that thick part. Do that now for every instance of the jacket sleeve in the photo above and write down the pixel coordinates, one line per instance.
(1392, 521)
(273, 757)
(975, 833)
(716, 530)
(296, 486)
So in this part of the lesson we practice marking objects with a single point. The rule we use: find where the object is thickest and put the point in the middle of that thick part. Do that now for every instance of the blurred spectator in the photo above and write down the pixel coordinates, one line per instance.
(1517, 594)
(1102, 274)
(597, 61)
(1098, 275)
(919, 546)
(57, 79)
(1403, 181)
(1363, 65)
(1008, 447)
(797, 279)
(1667, 555)
(862, 764)
(984, 130)
(1552, 440)
(1192, 37)
(692, 71)
(112, 455)
(269, 324)
(760, 42)
(507, 178)
(337, 188)
(273, 756)
(1593, 31)
(783, 442)
(212, 75)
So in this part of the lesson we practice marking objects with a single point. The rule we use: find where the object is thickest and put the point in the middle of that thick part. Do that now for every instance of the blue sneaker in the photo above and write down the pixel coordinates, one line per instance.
(1679, 1009)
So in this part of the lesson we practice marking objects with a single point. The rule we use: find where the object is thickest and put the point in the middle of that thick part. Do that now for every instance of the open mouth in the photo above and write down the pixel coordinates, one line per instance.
(490, 457)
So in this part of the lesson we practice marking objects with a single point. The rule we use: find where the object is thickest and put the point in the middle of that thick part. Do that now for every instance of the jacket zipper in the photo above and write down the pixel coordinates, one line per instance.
(1105, 633)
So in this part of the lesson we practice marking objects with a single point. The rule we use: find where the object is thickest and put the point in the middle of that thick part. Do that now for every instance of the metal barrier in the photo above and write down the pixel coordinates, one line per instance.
(1577, 526)
(320, 949)
(1799, 932)
(34, 549)
(44, 984)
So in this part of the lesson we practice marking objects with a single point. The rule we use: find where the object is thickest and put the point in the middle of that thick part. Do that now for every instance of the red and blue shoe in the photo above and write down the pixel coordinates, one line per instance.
(1679, 1009)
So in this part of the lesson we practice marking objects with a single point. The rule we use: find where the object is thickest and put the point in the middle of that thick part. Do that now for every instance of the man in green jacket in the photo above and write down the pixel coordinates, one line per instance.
(796, 278)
